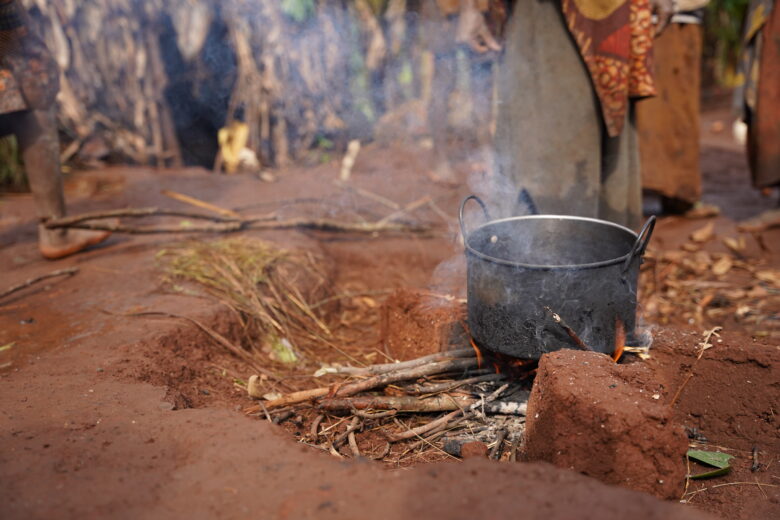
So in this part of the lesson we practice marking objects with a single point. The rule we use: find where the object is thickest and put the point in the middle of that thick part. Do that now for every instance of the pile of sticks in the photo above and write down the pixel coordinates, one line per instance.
(443, 399)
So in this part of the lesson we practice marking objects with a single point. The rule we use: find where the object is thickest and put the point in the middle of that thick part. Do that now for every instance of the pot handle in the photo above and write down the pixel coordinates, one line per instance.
(640, 245)
(524, 198)
(463, 205)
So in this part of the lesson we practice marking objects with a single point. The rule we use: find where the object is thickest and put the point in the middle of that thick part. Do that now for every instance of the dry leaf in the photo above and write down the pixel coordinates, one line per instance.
(254, 387)
(770, 276)
(735, 244)
(703, 211)
(674, 257)
(722, 266)
(704, 234)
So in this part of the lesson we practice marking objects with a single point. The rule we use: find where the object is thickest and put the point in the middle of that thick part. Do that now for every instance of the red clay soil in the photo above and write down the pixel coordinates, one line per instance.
(105, 415)
(731, 402)
(416, 323)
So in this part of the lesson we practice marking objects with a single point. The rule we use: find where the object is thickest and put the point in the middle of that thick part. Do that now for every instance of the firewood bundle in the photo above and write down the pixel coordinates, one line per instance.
(443, 398)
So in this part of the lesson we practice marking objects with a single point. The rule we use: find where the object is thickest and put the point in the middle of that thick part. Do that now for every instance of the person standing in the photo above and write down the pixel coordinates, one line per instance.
(443, 25)
(668, 124)
(29, 82)
(758, 97)
(567, 84)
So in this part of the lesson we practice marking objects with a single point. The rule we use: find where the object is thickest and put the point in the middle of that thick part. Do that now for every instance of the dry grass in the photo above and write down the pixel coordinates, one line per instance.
(271, 289)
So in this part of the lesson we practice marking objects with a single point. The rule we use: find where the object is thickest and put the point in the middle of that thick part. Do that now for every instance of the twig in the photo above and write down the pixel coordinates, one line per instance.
(200, 203)
(573, 335)
(405, 375)
(265, 412)
(374, 415)
(353, 444)
(369, 195)
(426, 441)
(451, 385)
(279, 419)
(351, 295)
(383, 454)
(703, 346)
(697, 491)
(298, 397)
(72, 220)
(495, 453)
(315, 426)
(341, 439)
(391, 367)
(226, 225)
(756, 465)
(442, 403)
(406, 209)
(70, 271)
(425, 428)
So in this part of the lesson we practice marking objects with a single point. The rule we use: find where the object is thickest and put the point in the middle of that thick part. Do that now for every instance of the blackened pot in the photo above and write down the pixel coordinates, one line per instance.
(524, 270)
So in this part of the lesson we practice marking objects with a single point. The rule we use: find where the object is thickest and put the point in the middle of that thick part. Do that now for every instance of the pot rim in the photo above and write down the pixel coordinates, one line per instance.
(593, 265)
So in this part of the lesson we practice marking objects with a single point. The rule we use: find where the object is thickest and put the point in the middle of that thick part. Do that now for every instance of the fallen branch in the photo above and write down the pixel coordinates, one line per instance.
(225, 224)
(425, 428)
(441, 403)
(353, 426)
(451, 385)
(443, 421)
(186, 199)
(391, 367)
(370, 383)
(495, 453)
(72, 220)
(429, 369)
(70, 271)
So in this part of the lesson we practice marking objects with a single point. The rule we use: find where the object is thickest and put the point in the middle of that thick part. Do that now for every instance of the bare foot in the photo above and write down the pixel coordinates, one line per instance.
(55, 244)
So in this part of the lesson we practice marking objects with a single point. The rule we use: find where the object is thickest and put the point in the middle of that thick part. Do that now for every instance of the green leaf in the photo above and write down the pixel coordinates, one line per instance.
(282, 351)
(7, 346)
(710, 474)
(711, 458)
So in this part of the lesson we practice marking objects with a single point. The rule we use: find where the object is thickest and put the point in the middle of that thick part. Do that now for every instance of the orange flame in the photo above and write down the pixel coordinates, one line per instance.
(477, 352)
(620, 339)
(514, 368)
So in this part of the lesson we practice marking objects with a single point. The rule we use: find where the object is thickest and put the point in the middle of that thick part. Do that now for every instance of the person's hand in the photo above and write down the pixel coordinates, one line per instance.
(663, 11)
(473, 30)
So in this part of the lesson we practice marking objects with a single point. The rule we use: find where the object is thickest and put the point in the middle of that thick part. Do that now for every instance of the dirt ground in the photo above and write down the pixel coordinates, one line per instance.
(104, 414)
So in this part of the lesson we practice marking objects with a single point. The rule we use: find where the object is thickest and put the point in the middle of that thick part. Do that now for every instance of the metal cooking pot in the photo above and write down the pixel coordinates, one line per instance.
(524, 270)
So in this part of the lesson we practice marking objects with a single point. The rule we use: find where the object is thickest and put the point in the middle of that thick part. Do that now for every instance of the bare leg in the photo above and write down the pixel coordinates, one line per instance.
(36, 132)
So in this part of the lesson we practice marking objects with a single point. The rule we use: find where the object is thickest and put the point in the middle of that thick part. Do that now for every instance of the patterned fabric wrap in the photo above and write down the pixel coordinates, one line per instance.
(747, 68)
(615, 39)
(29, 77)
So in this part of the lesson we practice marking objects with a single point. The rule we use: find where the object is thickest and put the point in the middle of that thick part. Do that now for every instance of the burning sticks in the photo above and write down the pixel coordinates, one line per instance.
(378, 399)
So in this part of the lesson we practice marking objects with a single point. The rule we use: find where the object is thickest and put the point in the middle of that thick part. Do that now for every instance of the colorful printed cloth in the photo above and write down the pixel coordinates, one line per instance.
(615, 39)
(748, 66)
(758, 95)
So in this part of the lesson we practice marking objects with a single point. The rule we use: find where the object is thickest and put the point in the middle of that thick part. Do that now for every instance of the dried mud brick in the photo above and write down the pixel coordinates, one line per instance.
(607, 421)
(415, 323)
